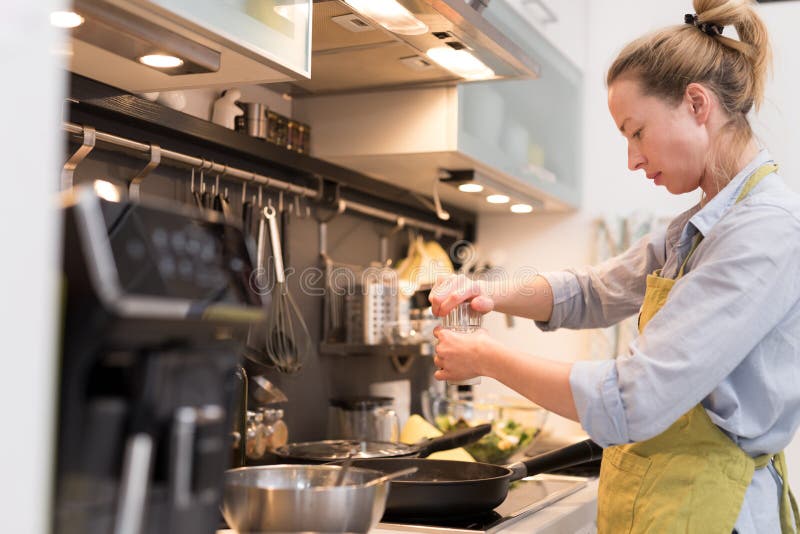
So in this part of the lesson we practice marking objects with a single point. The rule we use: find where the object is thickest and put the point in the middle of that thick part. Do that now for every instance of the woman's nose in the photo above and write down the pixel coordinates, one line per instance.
(635, 158)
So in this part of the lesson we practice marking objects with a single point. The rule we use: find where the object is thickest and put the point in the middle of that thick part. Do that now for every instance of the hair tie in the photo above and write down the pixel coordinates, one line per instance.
(708, 28)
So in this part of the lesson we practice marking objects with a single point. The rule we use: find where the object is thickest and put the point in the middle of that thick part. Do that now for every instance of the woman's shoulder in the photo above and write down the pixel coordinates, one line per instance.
(768, 218)
(773, 199)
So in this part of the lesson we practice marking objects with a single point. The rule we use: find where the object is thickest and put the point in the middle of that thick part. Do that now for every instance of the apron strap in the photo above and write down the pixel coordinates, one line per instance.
(787, 498)
(760, 173)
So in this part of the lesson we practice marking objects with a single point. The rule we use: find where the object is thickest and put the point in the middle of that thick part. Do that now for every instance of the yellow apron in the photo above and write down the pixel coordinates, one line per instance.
(691, 478)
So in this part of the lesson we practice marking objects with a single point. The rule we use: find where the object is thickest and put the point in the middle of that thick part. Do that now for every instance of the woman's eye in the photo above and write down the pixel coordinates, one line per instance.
(637, 134)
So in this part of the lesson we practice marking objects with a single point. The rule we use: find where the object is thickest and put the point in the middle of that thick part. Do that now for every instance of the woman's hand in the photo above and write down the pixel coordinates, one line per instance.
(460, 356)
(450, 291)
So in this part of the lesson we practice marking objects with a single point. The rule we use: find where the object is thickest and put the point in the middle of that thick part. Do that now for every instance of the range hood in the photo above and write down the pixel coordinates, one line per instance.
(354, 53)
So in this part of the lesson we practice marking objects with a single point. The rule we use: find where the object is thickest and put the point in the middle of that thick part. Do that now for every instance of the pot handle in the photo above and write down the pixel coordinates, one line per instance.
(575, 454)
(451, 440)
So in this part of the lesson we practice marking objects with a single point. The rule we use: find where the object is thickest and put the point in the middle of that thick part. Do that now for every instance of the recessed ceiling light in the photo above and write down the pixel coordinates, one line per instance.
(65, 19)
(161, 61)
(521, 208)
(470, 187)
(497, 199)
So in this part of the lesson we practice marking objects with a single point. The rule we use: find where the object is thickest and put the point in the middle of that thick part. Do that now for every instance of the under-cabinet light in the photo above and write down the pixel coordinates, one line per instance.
(521, 208)
(65, 19)
(460, 62)
(391, 15)
(497, 199)
(470, 187)
(161, 61)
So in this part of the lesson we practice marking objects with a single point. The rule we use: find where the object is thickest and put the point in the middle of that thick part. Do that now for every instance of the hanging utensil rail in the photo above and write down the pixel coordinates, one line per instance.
(246, 176)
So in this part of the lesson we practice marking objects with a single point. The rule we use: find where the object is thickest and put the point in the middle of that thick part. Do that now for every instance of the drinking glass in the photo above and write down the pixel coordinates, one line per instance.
(464, 320)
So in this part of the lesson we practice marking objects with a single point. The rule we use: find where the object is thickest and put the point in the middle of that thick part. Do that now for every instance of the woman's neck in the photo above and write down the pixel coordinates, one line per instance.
(711, 186)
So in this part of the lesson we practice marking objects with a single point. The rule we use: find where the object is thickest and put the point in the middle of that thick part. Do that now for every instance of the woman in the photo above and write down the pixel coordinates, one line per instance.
(696, 414)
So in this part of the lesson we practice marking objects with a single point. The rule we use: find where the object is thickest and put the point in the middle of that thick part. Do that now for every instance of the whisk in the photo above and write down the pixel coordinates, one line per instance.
(283, 348)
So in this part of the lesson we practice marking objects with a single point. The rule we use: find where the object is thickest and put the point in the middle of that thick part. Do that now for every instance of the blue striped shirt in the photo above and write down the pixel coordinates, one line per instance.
(728, 336)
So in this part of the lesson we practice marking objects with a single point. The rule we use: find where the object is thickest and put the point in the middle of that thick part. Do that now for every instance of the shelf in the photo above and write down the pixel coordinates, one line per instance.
(346, 349)
(119, 113)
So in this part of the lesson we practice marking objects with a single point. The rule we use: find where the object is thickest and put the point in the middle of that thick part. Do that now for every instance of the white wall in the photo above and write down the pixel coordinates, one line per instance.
(556, 241)
(30, 147)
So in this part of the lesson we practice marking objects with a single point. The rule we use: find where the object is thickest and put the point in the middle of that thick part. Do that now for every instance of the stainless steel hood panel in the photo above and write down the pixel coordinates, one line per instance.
(346, 61)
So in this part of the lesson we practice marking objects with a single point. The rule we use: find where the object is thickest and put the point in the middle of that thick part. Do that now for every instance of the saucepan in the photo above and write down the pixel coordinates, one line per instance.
(304, 498)
(445, 488)
(337, 450)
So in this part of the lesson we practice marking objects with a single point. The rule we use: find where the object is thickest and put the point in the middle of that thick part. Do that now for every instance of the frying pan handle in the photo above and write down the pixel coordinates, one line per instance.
(575, 454)
(451, 440)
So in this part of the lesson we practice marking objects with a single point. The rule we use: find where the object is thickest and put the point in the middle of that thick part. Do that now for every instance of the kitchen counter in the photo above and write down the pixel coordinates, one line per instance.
(575, 514)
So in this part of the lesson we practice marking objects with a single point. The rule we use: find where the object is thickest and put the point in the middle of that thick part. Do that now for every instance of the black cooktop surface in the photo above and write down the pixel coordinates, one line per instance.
(524, 498)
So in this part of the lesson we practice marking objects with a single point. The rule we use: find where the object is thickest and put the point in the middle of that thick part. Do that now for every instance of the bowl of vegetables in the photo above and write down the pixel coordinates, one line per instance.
(516, 422)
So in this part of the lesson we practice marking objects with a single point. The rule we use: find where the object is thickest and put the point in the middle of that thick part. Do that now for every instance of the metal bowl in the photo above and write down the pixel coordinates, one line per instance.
(302, 498)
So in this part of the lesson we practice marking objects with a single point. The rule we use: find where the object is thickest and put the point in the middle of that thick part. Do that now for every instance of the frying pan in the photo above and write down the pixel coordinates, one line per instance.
(445, 488)
(335, 450)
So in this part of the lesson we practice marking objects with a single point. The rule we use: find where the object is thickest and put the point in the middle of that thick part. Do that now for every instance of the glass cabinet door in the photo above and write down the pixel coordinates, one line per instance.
(530, 129)
(278, 30)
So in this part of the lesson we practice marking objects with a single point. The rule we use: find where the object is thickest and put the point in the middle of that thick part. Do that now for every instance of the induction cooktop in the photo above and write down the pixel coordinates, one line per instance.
(525, 497)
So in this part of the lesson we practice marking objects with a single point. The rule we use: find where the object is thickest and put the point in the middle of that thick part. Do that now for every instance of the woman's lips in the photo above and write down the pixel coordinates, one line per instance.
(656, 178)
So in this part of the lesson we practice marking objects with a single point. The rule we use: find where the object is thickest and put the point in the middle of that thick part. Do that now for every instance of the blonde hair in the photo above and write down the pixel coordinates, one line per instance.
(667, 61)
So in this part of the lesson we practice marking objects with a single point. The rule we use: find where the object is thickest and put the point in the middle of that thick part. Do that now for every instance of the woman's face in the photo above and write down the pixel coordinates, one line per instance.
(669, 143)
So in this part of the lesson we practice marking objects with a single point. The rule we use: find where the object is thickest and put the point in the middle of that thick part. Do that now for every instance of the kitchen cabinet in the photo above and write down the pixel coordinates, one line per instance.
(528, 129)
(225, 43)
(563, 23)
(521, 138)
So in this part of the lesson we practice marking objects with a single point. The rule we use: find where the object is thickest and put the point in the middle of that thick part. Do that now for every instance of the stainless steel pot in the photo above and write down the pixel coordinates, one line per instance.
(302, 498)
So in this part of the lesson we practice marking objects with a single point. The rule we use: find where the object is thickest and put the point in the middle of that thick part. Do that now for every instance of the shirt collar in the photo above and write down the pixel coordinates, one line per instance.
(705, 219)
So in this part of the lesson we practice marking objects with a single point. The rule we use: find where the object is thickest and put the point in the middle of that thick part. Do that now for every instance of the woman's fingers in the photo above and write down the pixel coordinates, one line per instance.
(450, 292)
(482, 304)
(437, 331)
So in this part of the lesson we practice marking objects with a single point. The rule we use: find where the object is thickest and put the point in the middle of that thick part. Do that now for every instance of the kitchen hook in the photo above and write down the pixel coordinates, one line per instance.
(295, 205)
(302, 214)
(134, 189)
(442, 214)
(87, 144)
(400, 223)
(219, 176)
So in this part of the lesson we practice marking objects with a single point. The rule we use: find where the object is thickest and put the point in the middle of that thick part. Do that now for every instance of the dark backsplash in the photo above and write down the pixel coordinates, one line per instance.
(352, 239)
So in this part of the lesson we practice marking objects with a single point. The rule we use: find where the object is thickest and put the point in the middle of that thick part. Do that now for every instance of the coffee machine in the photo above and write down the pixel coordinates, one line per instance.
(156, 297)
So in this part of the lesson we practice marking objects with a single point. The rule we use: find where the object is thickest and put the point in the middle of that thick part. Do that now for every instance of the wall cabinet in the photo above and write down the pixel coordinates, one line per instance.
(238, 42)
(278, 31)
(522, 136)
(563, 23)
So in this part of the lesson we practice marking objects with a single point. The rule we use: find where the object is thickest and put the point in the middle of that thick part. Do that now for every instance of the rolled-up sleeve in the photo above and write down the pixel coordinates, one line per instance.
(743, 283)
(599, 296)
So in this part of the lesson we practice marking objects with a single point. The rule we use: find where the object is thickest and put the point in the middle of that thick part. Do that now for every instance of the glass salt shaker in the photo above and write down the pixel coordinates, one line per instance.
(464, 320)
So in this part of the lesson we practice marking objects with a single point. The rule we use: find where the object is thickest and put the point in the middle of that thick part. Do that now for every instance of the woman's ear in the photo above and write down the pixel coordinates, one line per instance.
(699, 100)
